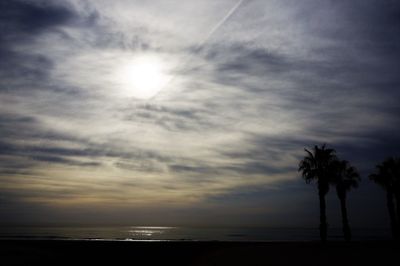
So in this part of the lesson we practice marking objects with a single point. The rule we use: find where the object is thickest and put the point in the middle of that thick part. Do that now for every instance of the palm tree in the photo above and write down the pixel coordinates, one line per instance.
(344, 177)
(386, 179)
(315, 167)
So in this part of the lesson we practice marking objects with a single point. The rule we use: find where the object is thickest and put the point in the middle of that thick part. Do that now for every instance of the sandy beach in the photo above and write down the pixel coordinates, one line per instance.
(55, 252)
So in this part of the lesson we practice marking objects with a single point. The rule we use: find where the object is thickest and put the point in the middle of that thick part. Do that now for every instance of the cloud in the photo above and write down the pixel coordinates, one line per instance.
(24, 24)
(30, 17)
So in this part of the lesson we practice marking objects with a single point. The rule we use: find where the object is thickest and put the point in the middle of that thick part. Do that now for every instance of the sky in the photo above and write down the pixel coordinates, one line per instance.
(173, 112)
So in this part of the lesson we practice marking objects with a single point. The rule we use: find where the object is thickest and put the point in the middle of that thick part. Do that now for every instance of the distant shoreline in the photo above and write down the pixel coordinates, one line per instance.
(67, 239)
(149, 233)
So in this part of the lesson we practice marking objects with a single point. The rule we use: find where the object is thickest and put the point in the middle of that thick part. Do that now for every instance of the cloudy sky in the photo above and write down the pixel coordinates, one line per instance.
(192, 112)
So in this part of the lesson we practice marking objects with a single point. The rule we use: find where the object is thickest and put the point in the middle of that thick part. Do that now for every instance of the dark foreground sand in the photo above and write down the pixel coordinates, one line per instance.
(52, 252)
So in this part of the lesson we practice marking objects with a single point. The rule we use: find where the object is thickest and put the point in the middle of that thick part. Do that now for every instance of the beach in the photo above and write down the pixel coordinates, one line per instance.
(78, 252)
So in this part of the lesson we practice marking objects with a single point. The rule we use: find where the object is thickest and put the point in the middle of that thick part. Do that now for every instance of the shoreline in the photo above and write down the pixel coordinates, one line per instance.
(71, 252)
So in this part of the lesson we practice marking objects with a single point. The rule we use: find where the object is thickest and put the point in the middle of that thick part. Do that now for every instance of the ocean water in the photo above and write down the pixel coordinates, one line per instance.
(163, 233)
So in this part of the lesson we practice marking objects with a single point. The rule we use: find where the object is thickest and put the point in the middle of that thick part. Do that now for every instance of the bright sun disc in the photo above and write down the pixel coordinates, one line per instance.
(142, 77)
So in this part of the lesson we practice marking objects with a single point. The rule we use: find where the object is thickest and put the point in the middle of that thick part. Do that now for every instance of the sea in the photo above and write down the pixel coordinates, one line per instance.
(179, 233)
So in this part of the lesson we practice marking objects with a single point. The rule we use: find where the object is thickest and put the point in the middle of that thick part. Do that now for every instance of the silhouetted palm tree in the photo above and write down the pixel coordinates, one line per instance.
(344, 177)
(315, 167)
(385, 177)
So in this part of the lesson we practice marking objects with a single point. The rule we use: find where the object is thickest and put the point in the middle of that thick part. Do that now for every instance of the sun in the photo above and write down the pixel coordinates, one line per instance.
(142, 77)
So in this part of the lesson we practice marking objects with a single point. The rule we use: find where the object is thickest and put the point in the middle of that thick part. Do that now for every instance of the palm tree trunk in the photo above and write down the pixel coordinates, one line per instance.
(397, 196)
(323, 226)
(345, 220)
(392, 213)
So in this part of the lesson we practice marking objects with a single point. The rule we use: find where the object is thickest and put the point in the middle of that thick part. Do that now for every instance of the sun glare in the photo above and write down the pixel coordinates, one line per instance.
(142, 77)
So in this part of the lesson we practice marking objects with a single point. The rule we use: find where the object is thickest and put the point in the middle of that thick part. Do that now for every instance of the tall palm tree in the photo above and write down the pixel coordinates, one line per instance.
(385, 178)
(344, 177)
(315, 167)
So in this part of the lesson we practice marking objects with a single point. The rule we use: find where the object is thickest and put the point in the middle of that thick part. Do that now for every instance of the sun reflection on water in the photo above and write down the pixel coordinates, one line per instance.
(141, 232)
